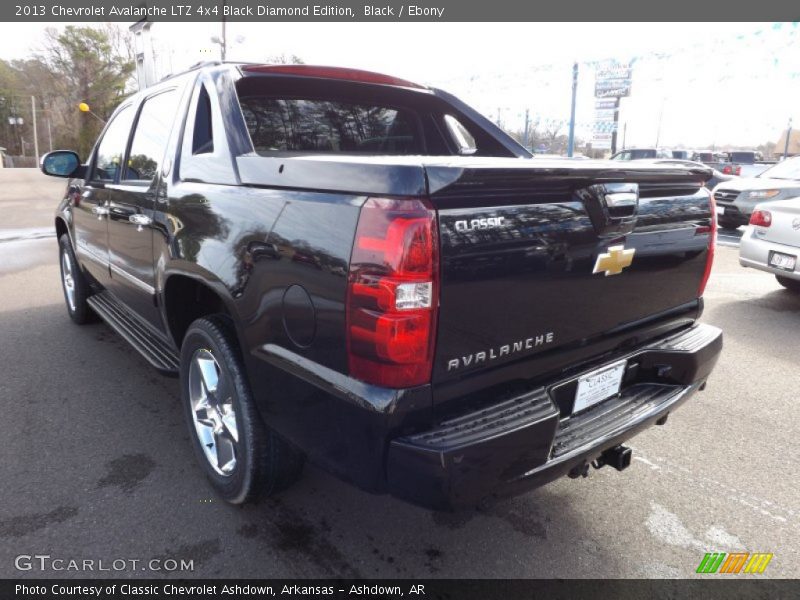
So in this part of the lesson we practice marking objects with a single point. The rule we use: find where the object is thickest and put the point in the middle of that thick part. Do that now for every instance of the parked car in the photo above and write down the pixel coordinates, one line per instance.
(351, 268)
(771, 242)
(641, 153)
(737, 197)
(748, 163)
(716, 176)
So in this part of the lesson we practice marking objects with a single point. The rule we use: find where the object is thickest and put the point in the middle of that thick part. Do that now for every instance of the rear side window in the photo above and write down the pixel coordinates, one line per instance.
(462, 138)
(329, 126)
(203, 138)
(151, 136)
(112, 146)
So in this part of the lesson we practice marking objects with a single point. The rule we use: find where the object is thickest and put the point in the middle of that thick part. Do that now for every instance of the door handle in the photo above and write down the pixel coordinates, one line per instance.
(100, 211)
(140, 221)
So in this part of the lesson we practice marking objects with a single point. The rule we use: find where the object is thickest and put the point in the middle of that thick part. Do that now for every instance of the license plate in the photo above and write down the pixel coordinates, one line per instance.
(599, 385)
(786, 262)
(720, 210)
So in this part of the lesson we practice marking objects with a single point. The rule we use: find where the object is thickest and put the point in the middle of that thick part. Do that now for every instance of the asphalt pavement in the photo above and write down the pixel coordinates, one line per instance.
(97, 464)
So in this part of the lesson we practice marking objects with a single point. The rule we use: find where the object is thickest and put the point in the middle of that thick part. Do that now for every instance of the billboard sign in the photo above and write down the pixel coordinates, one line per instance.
(613, 81)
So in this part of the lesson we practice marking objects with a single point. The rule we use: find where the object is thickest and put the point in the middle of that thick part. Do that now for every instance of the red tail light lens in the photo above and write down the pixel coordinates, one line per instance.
(392, 294)
(712, 244)
(738, 170)
(761, 218)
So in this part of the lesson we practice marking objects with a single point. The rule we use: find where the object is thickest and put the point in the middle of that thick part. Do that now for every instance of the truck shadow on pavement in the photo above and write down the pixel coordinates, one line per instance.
(103, 467)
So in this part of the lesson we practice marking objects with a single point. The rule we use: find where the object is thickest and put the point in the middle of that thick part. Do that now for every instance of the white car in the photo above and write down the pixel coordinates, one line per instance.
(737, 198)
(771, 241)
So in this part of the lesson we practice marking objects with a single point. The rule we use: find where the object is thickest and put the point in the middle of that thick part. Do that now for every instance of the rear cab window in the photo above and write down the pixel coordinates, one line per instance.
(296, 124)
(305, 115)
(460, 135)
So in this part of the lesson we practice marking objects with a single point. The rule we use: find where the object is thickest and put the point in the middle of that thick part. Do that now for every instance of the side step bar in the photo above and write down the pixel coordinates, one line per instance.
(156, 351)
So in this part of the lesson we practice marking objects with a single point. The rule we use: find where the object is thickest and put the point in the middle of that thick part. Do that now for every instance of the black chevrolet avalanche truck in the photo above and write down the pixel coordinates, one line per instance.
(350, 268)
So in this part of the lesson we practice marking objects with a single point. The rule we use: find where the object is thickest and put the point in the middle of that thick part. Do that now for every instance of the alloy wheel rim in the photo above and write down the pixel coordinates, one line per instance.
(213, 413)
(68, 280)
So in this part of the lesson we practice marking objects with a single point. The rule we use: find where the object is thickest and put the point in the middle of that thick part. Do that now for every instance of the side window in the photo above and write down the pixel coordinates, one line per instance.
(150, 136)
(112, 147)
(203, 138)
(462, 138)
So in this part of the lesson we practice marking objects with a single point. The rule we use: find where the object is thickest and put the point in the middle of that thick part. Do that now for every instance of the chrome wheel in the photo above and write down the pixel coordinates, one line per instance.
(211, 397)
(68, 280)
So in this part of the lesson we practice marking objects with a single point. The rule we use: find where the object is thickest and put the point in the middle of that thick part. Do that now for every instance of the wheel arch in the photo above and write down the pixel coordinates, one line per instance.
(188, 296)
(61, 228)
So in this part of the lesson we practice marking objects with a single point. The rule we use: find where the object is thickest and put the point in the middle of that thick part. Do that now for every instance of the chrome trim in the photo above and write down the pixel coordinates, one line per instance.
(142, 285)
(84, 251)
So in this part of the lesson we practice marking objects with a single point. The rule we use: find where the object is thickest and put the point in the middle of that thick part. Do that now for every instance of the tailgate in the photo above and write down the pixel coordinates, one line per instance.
(538, 263)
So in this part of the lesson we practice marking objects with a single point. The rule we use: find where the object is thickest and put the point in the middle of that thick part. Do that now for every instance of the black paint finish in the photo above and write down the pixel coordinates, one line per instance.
(268, 240)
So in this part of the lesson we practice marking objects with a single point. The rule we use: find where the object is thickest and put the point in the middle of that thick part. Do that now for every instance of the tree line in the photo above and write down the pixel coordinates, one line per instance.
(78, 64)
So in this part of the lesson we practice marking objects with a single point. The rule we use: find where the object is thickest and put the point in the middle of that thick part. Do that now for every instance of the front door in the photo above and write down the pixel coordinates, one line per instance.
(90, 211)
(131, 204)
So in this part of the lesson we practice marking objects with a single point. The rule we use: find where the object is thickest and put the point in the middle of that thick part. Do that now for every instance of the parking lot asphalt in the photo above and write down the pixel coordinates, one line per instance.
(97, 464)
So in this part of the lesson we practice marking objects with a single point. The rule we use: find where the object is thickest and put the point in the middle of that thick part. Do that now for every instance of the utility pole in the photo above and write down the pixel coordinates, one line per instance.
(527, 129)
(624, 133)
(571, 142)
(49, 134)
(615, 126)
(35, 135)
(224, 41)
(660, 117)
(788, 135)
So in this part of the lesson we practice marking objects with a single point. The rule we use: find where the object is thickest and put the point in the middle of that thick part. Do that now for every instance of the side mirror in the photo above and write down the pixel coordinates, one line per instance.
(61, 163)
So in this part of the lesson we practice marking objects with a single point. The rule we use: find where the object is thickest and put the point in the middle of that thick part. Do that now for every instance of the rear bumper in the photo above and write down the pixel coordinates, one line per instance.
(526, 441)
(754, 252)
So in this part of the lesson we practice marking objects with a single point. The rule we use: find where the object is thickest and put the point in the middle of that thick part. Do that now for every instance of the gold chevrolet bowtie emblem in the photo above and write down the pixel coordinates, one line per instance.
(613, 261)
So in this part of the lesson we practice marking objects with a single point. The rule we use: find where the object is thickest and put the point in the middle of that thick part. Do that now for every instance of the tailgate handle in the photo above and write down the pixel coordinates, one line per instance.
(612, 207)
(622, 199)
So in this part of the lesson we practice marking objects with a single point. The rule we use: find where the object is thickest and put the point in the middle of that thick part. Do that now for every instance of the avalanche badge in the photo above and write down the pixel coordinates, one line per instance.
(613, 261)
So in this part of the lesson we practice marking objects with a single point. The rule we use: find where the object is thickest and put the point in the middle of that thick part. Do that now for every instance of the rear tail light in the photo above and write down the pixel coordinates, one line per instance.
(738, 170)
(712, 244)
(761, 218)
(392, 293)
(727, 170)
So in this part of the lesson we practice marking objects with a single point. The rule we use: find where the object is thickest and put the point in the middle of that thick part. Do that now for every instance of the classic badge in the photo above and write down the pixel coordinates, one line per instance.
(613, 261)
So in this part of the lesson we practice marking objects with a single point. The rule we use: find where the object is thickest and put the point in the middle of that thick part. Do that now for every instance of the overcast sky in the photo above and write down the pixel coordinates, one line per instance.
(721, 83)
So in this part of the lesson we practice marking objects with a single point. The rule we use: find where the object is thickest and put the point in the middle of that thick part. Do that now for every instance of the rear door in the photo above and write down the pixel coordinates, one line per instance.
(91, 210)
(132, 203)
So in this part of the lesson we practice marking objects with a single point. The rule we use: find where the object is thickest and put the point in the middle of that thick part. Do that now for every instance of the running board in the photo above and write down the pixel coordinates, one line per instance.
(157, 352)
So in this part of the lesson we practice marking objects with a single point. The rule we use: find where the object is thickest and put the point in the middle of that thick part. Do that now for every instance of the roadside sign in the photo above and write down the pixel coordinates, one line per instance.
(601, 104)
(601, 141)
(612, 88)
(604, 114)
(613, 81)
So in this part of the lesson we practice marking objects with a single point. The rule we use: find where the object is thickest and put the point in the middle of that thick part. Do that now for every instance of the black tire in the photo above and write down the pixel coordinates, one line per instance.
(79, 310)
(790, 284)
(264, 463)
(726, 224)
